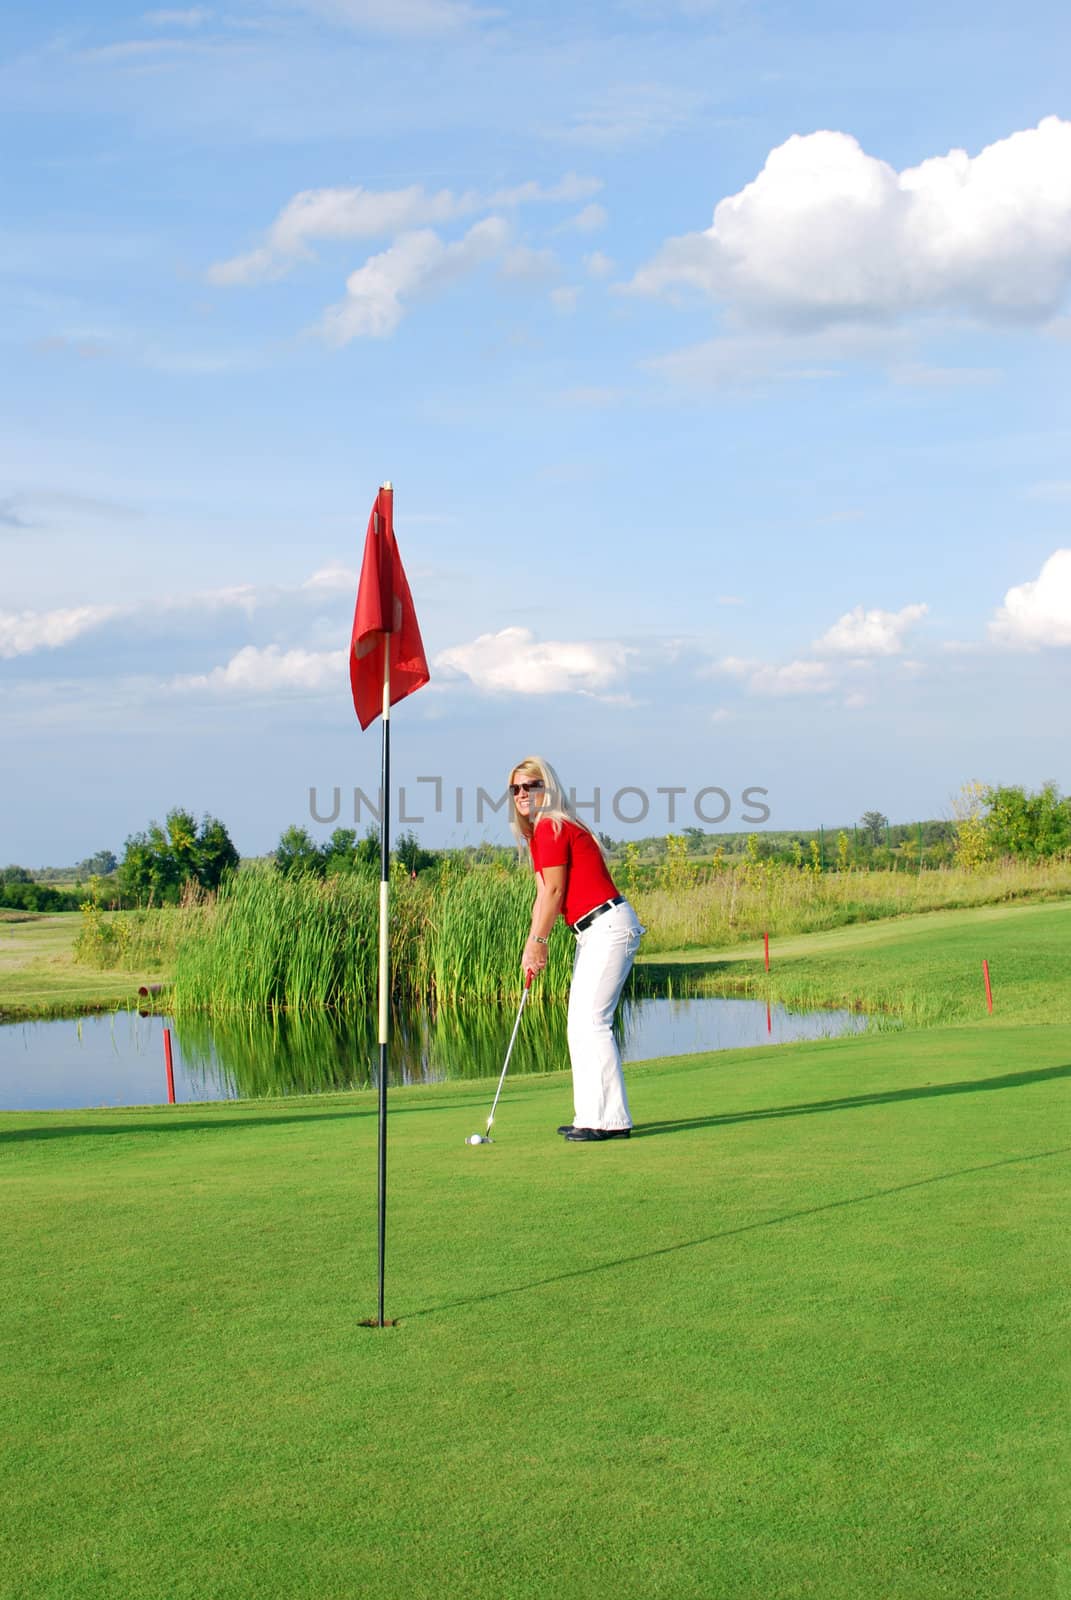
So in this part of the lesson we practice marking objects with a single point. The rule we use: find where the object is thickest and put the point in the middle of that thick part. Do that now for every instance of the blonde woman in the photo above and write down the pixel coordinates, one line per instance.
(572, 880)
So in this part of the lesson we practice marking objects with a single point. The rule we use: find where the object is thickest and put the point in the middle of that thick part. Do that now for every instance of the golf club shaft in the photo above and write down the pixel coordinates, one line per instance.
(509, 1051)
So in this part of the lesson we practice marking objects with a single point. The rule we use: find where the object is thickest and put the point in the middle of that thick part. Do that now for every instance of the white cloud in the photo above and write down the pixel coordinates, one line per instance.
(332, 579)
(796, 677)
(1038, 613)
(22, 632)
(827, 233)
(565, 299)
(514, 662)
(598, 265)
(568, 190)
(414, 264)
(246, 597)
(522, 264)
(336, 214)
(590, 220)
(870, 633)
(257, 671)
(358, 213)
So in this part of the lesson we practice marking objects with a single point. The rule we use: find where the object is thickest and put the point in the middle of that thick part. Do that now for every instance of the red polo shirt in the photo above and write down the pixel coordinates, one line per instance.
(587, 882)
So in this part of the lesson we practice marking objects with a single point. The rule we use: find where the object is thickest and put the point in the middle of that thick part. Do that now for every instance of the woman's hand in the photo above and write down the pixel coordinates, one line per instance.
(534, 958)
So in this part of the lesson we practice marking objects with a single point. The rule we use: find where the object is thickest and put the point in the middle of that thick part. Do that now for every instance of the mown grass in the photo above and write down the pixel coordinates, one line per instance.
(803, 1336)
(920, 970)
(39, 976)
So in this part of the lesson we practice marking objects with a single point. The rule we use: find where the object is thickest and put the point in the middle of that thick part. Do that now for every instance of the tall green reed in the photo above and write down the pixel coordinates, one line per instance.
(302, 943)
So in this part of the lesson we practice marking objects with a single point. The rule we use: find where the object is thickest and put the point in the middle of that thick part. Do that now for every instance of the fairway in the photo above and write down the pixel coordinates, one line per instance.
(922, 970)
(803, 1335)
(39, 976)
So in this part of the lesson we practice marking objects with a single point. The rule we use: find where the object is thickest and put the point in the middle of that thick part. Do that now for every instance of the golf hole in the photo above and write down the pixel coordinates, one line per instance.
(374, 1322)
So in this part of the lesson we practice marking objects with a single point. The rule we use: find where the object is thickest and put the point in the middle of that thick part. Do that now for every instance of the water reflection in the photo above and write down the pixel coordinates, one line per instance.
(118, 1059)
(316, 1051)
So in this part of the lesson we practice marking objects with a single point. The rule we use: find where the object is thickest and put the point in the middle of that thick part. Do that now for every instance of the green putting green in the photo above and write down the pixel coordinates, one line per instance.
(803, 1335)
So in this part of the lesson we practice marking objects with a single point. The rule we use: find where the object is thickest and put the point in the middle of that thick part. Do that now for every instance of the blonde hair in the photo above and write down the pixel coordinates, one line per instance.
(556, 807)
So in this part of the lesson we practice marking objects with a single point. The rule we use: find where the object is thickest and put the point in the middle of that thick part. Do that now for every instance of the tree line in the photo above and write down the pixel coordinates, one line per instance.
(991, 823)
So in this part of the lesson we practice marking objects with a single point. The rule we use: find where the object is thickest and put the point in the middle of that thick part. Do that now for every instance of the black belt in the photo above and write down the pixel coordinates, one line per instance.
(589, 916)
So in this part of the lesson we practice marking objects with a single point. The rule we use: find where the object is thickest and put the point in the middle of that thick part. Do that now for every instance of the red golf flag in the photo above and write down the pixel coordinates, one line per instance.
(384, 619)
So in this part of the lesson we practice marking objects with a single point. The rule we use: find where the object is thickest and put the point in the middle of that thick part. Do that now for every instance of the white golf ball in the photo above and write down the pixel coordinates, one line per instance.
(475, 1138)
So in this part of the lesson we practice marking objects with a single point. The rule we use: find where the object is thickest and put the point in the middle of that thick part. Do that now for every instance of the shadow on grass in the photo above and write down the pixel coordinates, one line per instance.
(654, 978)
(1006, 1080)
(730, 1233)
(167, 1123)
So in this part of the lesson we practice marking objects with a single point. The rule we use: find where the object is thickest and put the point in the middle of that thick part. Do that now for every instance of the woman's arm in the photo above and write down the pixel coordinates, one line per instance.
(550, 892)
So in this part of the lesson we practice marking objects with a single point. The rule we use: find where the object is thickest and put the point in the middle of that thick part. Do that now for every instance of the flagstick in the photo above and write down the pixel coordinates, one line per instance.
(384, 968)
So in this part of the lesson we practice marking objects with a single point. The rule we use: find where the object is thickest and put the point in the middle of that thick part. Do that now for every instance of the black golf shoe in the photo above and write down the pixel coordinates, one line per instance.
(566, 1127)
(595, 1135)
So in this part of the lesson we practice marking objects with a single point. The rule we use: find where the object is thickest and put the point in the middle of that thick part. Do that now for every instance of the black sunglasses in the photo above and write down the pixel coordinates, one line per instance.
(516, 788)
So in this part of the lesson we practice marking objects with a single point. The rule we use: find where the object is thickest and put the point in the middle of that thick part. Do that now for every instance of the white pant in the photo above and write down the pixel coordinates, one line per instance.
(605, 952)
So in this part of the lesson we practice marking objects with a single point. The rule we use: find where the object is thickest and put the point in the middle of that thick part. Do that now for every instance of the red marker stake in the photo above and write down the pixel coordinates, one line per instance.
(769, 1019)
(988, 988)
(766, 949)
(169, 1067)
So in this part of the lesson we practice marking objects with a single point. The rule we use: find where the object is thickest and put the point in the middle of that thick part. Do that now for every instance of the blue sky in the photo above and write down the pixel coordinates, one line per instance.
(717, 351)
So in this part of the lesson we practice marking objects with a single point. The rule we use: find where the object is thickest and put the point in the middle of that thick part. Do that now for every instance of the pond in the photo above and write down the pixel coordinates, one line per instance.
(118, 1059)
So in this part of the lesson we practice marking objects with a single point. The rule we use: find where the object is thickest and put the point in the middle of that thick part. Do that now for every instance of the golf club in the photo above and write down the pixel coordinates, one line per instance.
(485, 1138)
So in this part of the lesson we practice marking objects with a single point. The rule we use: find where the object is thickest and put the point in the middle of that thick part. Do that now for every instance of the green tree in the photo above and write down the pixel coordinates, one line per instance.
(1028, 826)
(972, 841)
(368, 851)
(632, 866)
(100, 865)
(160, 861)
(677, 872)
(180, 843)
(409, 851)
(875, 823)
(296, 852)
(338, 852)
(215, 853)
(138, 881)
